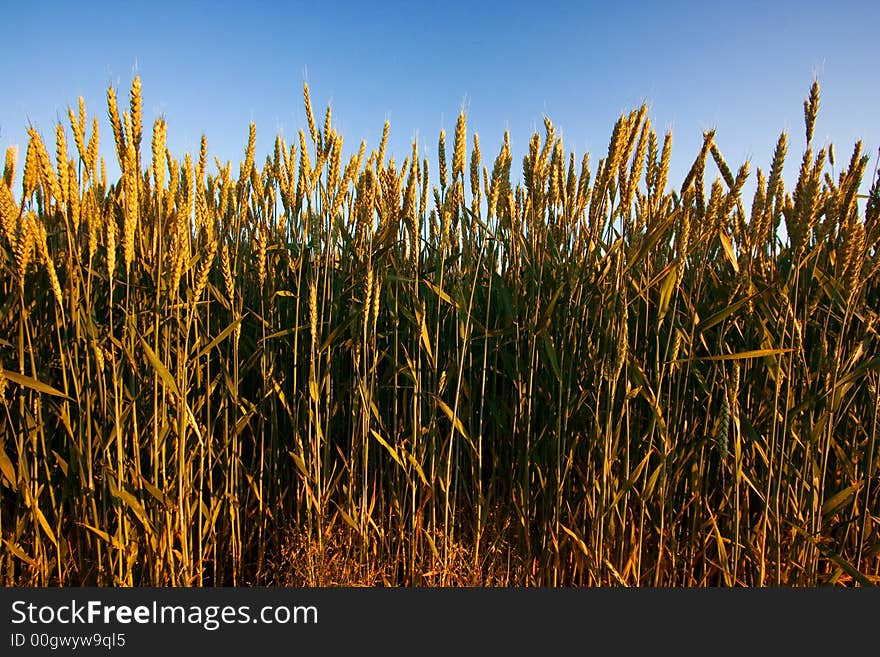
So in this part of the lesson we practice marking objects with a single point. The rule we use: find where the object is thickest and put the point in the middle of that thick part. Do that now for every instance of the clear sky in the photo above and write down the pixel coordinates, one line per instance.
(741, 67)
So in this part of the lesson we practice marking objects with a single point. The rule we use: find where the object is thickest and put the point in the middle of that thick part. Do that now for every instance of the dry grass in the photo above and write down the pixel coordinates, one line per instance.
(328, 372)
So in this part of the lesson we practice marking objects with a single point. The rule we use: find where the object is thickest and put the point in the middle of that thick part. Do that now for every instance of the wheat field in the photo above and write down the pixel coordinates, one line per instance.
(324, 370)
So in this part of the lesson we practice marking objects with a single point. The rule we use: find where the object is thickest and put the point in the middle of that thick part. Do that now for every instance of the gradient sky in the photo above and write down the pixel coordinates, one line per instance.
(741, 67)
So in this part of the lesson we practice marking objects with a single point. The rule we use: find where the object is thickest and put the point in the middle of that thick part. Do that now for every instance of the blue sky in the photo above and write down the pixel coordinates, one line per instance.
(741, 67)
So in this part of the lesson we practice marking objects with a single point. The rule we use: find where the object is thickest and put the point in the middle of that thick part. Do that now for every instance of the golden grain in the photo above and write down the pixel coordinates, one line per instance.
(310, 116)
(811, 109)
(459, 147)
(582, 356)
(441, 157)
(116, 124)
